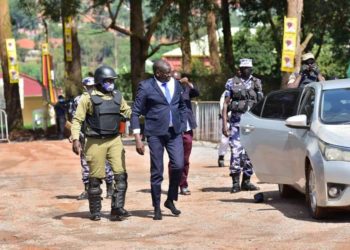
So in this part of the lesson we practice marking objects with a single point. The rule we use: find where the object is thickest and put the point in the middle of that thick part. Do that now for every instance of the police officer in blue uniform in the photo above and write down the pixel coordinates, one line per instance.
(241, 94)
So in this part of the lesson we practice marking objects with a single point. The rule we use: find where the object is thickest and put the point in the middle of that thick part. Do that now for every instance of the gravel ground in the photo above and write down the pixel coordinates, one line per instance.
(40, 181)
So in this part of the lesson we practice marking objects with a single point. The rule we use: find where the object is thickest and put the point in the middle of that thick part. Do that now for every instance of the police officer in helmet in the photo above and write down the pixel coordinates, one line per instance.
(102, 109)
(242, 92)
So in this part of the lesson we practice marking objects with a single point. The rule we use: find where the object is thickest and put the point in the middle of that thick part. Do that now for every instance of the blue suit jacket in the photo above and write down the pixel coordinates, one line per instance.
(152, 104)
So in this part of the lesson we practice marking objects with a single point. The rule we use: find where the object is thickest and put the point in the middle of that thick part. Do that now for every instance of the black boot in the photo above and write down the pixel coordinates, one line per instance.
(246, 185)
(95, 192)
(109, 190)
(235, 183)
(118, 212)
(157, 214)
(170, 204)
(221, 161)
(84, 194)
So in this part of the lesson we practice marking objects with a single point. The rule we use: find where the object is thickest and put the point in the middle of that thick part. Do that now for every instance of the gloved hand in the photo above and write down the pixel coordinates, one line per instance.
(220, 116)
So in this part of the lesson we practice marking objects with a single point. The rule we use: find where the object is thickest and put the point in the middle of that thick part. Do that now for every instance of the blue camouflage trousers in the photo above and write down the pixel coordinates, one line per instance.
(239, 159)
(85, 169)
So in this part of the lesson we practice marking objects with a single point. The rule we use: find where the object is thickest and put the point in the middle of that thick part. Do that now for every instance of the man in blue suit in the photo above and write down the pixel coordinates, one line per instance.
(159, 100)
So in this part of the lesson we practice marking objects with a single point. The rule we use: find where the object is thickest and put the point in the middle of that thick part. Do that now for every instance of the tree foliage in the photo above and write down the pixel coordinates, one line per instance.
(324, 19)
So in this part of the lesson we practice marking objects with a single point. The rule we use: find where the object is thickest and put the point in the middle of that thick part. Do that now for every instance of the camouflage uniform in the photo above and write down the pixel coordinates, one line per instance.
(243, 93)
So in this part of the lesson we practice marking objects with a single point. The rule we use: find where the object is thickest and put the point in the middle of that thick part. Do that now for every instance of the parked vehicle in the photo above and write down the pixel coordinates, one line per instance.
(300, 139)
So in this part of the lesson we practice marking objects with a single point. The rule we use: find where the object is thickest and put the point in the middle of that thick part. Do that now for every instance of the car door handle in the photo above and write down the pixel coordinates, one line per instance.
(248, 128)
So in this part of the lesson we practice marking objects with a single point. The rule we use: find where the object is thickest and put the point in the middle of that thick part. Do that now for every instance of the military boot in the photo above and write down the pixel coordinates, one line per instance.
(118, 212)
(247, 185)
(95, 192)
(84, 194)
(235, 183)
(221, 161)
(109, 190)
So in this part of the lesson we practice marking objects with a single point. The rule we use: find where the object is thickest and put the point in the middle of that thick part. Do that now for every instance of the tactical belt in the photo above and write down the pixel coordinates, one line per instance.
(102, 136)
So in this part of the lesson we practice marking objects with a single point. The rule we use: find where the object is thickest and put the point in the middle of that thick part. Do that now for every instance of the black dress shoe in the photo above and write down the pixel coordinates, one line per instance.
(170, 204)
(95, 217)
(157, 214)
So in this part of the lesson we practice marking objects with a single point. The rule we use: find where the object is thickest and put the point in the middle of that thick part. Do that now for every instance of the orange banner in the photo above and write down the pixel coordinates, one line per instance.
(47, 74)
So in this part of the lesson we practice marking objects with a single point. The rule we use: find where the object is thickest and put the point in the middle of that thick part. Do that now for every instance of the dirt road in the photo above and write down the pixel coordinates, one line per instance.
(39, 183)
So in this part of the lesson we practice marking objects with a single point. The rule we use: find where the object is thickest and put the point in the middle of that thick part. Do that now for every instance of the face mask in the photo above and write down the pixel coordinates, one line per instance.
(61, 100)
(246, 72)
(107, 86)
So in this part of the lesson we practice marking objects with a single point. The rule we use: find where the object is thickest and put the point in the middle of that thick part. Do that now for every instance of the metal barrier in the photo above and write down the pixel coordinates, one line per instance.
(207, 117)
(4, 134)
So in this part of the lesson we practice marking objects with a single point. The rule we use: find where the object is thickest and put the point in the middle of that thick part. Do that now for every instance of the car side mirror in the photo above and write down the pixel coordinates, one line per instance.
(297, 121)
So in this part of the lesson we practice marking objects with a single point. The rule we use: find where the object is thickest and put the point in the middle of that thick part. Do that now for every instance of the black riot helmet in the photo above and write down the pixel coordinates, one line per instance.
(104, 72)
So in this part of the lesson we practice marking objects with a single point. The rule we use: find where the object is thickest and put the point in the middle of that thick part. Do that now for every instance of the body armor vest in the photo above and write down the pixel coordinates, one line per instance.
(308, 78)
(104, 121)
(244, 98)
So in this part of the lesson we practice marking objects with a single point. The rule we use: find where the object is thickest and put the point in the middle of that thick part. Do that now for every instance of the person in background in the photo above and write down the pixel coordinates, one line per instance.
(224, 141)
(189, 91)
(308, 73)
(88, 86)
(61, 116)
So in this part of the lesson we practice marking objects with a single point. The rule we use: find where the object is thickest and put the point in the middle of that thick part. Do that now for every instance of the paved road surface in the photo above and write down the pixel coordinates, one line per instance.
(39, 183)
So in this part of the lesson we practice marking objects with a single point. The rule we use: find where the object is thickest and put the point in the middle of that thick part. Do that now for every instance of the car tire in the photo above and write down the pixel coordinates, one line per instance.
(316, 211)
(286, 191)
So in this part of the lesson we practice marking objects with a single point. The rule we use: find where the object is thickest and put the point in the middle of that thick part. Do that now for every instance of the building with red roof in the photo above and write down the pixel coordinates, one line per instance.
(25, 43)
(31, 95)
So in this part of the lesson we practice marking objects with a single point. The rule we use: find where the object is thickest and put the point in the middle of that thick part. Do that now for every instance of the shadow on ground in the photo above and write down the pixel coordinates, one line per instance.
(216, 189)
(106, 214)
(147, 190)
(294, 207)
(64, 196)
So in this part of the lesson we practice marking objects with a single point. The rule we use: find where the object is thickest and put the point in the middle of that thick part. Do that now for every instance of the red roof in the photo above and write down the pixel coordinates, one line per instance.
(25, 43)
(31, 86)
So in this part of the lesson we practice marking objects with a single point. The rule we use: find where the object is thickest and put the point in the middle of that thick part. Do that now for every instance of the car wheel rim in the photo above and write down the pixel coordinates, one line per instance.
(312, 190)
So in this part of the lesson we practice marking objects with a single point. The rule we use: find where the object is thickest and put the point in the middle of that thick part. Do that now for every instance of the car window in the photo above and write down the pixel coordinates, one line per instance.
(257, 108)
(307, 104)
(281, 104)
(335, 106)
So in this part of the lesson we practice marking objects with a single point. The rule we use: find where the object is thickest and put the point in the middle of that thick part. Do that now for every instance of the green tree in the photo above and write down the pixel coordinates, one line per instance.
(321, 18)
(11, 91)
(260, 48)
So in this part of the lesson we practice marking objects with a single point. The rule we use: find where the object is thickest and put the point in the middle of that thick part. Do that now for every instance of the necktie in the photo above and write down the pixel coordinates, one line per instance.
(167, 92)
(168, 98)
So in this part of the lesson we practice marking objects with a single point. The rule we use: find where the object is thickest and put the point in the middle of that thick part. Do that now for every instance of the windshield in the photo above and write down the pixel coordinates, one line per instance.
(335, 106)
